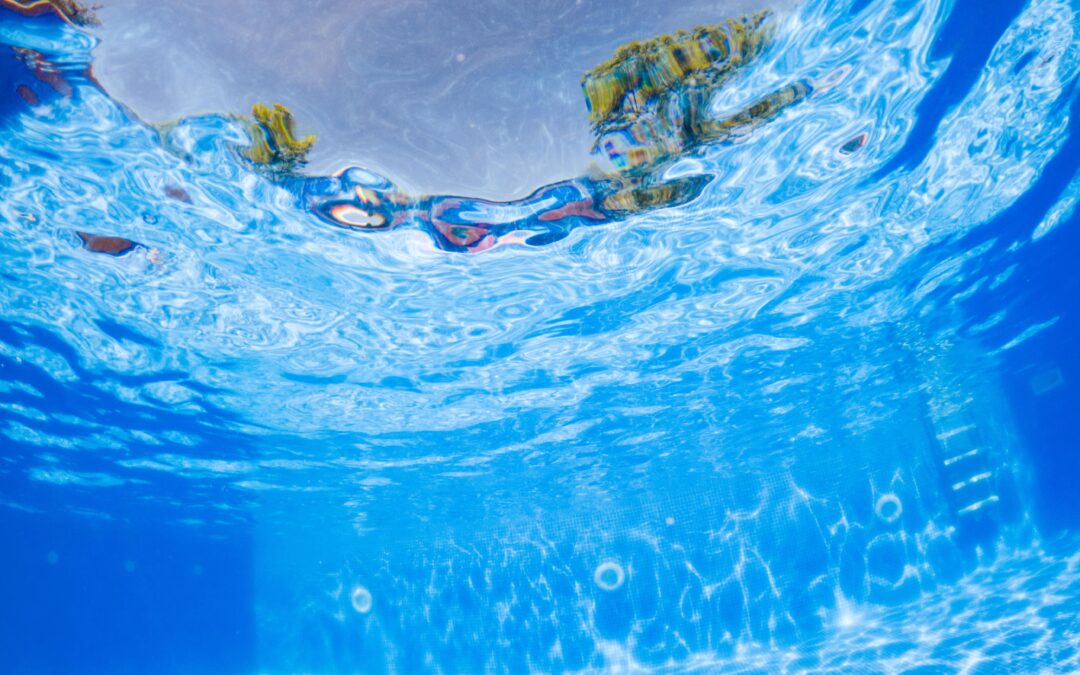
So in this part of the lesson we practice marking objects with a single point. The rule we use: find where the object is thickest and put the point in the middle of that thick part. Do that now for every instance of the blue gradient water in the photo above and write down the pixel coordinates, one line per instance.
(821, 418)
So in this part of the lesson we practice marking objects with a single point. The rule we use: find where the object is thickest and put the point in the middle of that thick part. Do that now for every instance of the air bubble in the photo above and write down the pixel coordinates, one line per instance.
(888, 507)
(609, 575)
(361, 599)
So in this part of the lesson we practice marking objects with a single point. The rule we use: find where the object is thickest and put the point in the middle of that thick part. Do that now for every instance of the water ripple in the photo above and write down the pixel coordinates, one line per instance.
(251, 345)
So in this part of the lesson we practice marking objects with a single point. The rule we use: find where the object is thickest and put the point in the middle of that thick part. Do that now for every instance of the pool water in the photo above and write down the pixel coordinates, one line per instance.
(815, 414)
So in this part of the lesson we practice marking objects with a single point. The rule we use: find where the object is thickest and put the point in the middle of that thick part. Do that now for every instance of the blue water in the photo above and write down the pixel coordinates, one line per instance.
(822, 417)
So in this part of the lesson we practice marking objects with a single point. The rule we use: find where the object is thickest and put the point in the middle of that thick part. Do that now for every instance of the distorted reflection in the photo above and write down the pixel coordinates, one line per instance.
(477, 97)
(648, 105)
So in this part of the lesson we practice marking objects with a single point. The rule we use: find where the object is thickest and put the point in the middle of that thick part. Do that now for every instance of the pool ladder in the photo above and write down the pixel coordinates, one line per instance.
(970, 470)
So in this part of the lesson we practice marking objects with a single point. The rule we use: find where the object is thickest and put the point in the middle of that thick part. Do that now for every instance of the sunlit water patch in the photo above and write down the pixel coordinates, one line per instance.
(787, 398)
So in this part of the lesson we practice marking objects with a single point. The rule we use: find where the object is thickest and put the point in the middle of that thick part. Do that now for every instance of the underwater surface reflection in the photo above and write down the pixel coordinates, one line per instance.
(783, 382)
(460, 97)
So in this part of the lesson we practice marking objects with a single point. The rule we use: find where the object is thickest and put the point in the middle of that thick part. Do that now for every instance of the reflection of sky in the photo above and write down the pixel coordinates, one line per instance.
(476, 97)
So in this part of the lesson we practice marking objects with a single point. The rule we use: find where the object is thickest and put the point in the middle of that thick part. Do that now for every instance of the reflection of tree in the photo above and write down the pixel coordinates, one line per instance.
(273, 139)
(645, 102)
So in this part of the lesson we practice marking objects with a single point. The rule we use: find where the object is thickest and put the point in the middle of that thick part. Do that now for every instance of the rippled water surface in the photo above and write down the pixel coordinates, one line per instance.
(817, 416)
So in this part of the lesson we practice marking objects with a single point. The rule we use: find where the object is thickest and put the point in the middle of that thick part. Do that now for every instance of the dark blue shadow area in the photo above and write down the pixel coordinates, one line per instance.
(1043, 373)
(968, 37)
(108, 568)
(78, 411)
(92, 403)
(83, 595)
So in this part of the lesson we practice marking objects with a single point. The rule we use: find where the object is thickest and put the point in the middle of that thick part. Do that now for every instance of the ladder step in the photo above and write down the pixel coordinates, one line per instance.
(956, 458)
(946, 435)
(971, 508)
(971, 481)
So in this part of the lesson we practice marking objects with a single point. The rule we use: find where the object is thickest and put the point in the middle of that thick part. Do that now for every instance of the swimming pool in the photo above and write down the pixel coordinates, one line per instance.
(786, 383)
